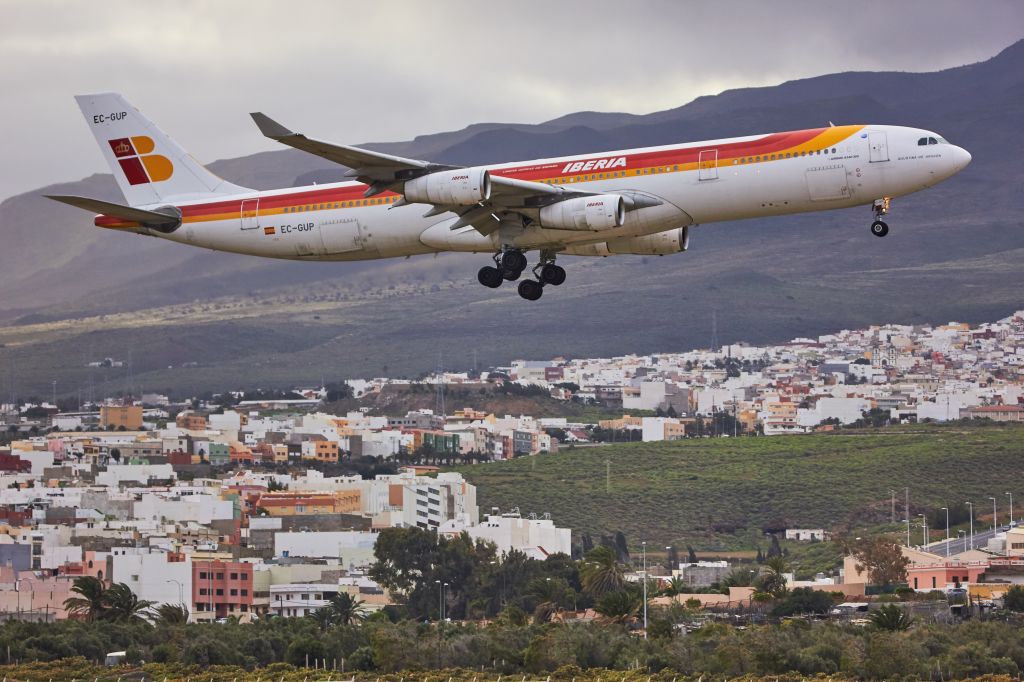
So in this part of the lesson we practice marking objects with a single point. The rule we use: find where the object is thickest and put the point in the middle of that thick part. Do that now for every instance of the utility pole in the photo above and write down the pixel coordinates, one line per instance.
(608, 476)
(892, 511)
(924, 530)
(971, 505)
(906, 492)
(994, 517)
(644, 544)
(1011, 508)
(947, 531)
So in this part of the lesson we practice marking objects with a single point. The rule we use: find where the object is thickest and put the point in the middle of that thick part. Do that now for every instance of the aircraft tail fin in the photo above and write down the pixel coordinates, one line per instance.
(148, 165)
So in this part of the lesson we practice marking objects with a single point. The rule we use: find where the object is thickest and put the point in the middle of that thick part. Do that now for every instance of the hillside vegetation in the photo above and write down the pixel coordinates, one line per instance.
(725, 493)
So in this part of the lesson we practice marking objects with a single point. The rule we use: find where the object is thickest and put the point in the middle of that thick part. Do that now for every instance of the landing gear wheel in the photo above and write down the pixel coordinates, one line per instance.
(552, 274)
(490, 277)
(530, 289)
(879, 228)
(511, 275)
(513, 261)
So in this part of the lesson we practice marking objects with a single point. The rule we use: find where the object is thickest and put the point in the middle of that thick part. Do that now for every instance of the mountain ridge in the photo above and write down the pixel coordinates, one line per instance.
(954, 251)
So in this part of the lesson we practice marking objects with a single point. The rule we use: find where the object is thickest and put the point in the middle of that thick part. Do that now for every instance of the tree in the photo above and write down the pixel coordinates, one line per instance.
(170, 614)
(124, 606)
(881, 559)
(676, 586)
(549, 595)
(601, 572)
(90, 602)
(803, 600)
(773, 581)
(346, 609)
(619, 607)
(891, 617)
(1014, 598)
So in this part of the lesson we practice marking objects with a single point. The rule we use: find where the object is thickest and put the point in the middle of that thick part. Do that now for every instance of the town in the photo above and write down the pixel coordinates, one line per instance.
(248, 508)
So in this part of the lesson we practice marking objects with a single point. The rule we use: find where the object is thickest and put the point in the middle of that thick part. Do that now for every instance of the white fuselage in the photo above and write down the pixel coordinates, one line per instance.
(694, 183)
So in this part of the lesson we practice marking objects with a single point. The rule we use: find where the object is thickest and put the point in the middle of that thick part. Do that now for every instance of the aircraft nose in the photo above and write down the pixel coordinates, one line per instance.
(961, 157)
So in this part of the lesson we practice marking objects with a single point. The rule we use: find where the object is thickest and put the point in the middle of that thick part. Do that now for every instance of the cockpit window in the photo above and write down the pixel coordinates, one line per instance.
(922, 142)
(932, 140)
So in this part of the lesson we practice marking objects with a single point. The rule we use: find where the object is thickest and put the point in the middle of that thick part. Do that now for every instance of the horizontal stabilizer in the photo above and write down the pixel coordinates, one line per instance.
(165, 218)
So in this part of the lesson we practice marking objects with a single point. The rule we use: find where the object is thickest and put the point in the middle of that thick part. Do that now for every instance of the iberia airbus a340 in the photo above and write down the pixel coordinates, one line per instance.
(634, 201)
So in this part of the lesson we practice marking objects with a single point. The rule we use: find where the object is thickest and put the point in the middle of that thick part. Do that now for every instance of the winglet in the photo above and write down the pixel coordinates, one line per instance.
(269, 127)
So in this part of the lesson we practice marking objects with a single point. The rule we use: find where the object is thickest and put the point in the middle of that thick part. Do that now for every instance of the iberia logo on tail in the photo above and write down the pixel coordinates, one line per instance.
(138, 164)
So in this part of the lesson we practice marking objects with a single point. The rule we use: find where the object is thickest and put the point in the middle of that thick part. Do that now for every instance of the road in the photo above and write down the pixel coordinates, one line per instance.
(962, 544)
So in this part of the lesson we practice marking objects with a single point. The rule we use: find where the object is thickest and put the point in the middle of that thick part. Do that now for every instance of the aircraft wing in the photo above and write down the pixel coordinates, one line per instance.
(378, 170)
(382, 172)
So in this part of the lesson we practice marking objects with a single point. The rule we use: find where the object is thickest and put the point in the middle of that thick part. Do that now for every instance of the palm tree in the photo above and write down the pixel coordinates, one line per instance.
(773, 581)
(323, 617)
(618, 607)
(170, 614)
(601, 572)
(891, 617)
(548, 594)
(346, 609)
(124, 606)
(90, 604)
(676, 586)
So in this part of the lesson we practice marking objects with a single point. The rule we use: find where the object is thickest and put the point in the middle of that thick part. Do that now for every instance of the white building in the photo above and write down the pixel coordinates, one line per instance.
(151, 576)
(347, 546)
(537, 538)
(296, 601)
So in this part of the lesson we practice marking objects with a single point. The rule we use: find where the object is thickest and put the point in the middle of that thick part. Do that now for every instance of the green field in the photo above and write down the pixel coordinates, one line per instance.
(723, 493)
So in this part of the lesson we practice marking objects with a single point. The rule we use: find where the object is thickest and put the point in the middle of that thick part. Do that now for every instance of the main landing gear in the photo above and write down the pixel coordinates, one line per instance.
(880, 208)
(509, 266)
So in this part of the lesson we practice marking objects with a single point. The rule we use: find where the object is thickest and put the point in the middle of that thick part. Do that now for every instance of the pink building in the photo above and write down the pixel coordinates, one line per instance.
(941, 575)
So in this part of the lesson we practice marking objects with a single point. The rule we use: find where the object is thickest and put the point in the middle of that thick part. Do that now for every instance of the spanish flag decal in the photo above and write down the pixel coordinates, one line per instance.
(268, 230)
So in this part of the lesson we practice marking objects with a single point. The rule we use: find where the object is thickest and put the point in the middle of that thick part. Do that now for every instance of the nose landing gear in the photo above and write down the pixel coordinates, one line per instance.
(881, 207)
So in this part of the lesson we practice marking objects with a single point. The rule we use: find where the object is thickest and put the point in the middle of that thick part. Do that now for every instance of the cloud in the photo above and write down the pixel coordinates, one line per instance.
(392, 70)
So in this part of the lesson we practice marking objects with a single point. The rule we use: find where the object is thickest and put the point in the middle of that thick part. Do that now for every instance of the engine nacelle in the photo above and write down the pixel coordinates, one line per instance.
(602, 212)
(660, 244)
(461, 187)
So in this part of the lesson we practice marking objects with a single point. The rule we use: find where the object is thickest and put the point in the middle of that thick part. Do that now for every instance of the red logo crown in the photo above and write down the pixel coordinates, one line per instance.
(122, 148)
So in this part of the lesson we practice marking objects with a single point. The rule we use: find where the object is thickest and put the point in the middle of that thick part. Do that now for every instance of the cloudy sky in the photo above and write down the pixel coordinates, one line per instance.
(356, 72)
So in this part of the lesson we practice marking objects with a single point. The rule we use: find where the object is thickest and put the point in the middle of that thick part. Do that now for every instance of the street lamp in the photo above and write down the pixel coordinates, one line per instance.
(17, 589)
(963, 533)
(924, 531)
(644, 545)
(971, 505)
(946, 509)
(994, 518)
(181, 590)
(1011, 509)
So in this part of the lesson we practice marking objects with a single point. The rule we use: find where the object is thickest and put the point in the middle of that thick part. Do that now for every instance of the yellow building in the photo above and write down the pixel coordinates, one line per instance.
(303, 504)
(117, 416)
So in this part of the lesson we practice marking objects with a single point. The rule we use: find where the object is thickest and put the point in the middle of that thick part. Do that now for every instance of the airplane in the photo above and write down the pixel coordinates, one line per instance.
(634, 201)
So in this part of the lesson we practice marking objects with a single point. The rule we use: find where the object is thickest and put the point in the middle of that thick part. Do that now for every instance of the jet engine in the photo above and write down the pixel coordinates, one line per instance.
(601, 212)
(660, 244)
(460, 187)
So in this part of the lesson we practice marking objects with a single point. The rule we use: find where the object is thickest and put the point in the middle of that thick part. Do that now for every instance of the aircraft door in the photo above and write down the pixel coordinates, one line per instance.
(707, 164)
(878, 145)
(250, 218)
(343, 236)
